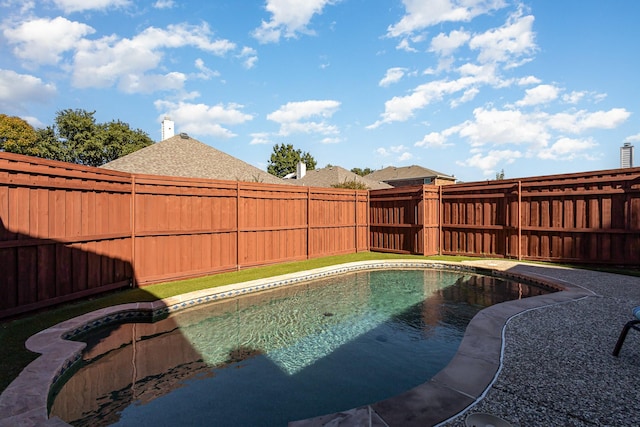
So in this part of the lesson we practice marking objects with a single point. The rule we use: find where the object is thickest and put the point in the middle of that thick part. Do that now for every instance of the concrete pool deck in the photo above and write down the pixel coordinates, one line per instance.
(537, 361)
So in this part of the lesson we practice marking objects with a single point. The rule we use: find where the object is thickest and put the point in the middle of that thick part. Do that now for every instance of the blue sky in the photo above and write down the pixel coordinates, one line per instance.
(464, 87)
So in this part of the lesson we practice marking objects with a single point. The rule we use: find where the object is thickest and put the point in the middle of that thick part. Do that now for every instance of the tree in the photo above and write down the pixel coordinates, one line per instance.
(77, 138)
(284, 160)
(362, 172)
(353, 185)
(17, 136)
(118, 140)
(500, 175)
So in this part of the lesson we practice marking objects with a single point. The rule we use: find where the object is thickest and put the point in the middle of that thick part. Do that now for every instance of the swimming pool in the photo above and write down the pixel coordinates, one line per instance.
(277, 356)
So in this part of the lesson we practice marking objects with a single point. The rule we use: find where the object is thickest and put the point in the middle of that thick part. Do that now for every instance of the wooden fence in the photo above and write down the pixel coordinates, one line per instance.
(69, 231)
(405, 220)
(591, 217)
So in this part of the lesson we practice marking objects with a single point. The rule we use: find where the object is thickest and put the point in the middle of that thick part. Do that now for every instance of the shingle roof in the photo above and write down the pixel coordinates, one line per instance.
(391, 173)
(183, 156)
(332, 175)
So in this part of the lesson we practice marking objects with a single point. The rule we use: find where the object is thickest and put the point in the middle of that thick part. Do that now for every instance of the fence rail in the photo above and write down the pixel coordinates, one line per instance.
(69, 231)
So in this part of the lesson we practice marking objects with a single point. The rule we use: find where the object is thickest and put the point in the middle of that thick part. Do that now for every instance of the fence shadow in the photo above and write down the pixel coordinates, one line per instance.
(40, 272)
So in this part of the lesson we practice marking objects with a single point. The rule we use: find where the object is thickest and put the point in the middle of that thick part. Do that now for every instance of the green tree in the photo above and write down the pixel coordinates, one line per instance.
(500, 175)
(77, 138)
(118, 140)
(353, 185)
(17, 136)
(49, 147)
(362, 172)
(285, 159)
(77, 134)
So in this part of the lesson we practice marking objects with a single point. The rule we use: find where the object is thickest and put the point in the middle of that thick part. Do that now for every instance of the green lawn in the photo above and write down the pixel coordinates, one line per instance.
(14, 333)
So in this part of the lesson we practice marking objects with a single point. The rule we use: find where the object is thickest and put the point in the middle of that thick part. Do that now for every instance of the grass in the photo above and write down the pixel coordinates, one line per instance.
(14, 333)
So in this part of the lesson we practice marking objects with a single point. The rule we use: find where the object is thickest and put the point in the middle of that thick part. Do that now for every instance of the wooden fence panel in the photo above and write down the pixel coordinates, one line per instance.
(478, 220)
(337, 219)
(64, 232)
(272, 224)
(397, 220)
(183, 227)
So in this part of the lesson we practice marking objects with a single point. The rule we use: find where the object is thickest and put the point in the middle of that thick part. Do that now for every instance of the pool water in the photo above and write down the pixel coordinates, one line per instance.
(291, 353)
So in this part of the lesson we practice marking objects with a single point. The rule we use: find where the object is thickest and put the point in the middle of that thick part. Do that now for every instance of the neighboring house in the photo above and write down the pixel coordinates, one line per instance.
(181, 155)
(331, 176)
(410, 175)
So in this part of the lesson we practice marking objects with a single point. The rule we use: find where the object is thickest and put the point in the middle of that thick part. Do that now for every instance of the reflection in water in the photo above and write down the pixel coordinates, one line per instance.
(304, 350)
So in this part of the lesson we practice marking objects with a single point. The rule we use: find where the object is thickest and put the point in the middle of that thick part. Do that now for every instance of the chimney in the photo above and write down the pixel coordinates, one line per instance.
(301, 170)
(167, 128)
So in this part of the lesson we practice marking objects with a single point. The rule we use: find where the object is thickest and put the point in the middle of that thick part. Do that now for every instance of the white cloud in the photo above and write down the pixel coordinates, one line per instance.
(504, 127)
(488, 162)
(21, 7)
(633, 138)
(421, 14)
(529, 80)
(205, 72)
(288, 18)
(106, 61)
(433, 139)
(493, 127)
(508, 43)
(164, 4)
(260, 138)
(18, 90)
(540, 94)
(331, 140)
(393, 75)
(398, 151)
(467, 96)
(444, 44)
(250, 57)
(295, 111)
(573, 97)
(401, 108)
(202, 119)
(404, 45)
(70, 6)
(294, 117)
(149, 83)
(43, 40)
(568, 149)
(34, 121)
(579, 121)
(405, 156)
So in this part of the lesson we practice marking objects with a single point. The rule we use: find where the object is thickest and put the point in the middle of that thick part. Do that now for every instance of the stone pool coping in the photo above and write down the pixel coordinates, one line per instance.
(458, 386)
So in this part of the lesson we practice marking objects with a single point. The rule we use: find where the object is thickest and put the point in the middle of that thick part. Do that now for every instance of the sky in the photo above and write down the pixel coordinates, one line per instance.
(467, 88)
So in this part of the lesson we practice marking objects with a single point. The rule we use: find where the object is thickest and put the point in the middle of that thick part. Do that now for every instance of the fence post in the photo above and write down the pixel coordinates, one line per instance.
(308, 222)
(134, 267)
(355, 219)
(440, 216)
(519, 220)
(238, 225)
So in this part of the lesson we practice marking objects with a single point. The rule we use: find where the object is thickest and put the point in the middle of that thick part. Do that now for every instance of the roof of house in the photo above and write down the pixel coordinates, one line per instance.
(332, 175)
(392, 173)
(184, 156)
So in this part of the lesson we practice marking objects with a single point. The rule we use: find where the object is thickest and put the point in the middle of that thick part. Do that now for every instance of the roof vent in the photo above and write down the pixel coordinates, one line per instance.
(184, 135)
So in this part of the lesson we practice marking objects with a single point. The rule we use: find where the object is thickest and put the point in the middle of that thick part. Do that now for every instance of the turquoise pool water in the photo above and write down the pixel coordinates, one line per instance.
(287, 354)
